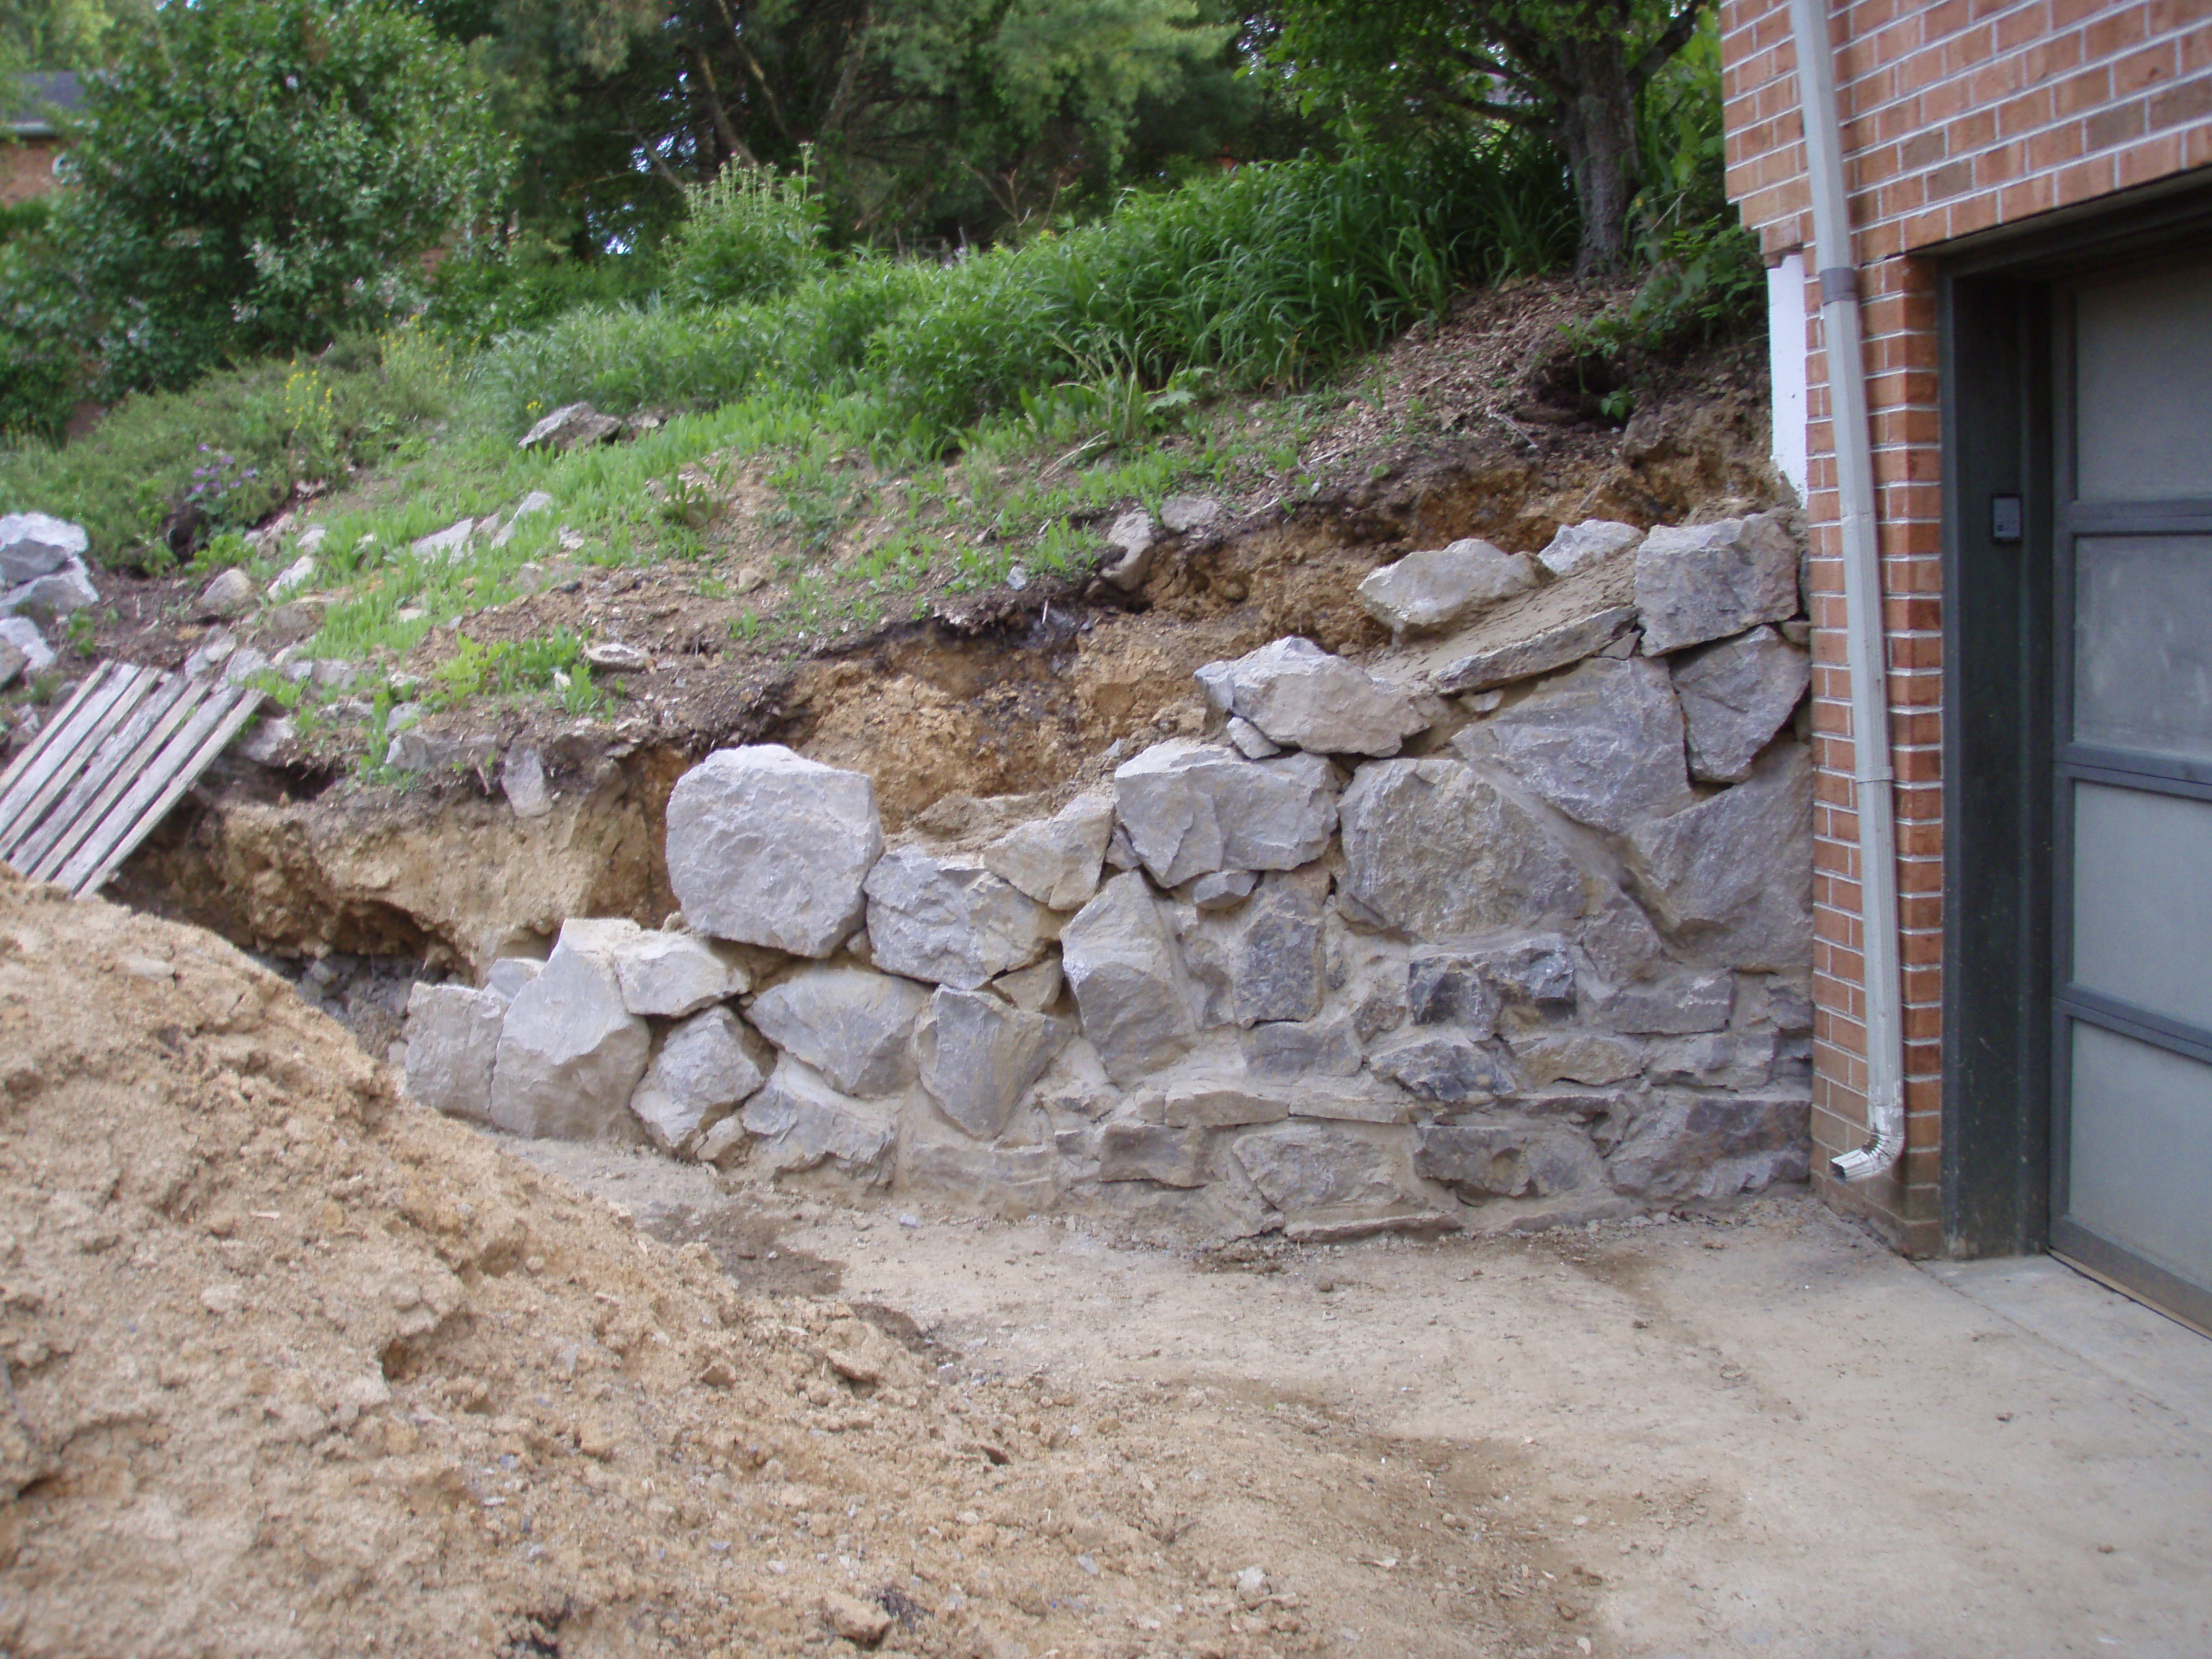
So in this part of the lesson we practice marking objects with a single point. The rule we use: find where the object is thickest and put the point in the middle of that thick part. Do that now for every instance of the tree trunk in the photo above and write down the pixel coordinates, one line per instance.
(1598, 129)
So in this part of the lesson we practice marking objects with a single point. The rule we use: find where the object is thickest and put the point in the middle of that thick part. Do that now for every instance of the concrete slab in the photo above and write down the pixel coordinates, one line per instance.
(2159, 1357)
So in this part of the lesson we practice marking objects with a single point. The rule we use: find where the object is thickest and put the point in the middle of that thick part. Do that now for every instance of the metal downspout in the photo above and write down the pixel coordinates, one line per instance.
(1865, 646)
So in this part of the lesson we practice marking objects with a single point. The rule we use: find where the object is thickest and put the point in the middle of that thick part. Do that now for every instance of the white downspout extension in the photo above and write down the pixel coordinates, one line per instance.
(1865, 645)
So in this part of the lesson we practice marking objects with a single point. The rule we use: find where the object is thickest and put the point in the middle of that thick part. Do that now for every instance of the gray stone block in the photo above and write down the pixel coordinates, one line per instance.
(1128, 979)
(1574, 545)
(1507, 1159)
(1698, 1145)
(705, 1065)
(1735, 697)
(1435, 588)
(1603, 742)
(798, 1122)
(1300, 1168)
(1436, 850)
(978, 1056)
(669, 975)
(1191, 808)
(1056, 860)
(1303, 697)
(1706, 582)
(767, 848)
(1301, 1049)
(1730, 879)
(1682, 1001)
(452, 1044)
(949, 921)
(1443, 1066)
(1151, 1151)
(34, 544)
(854, 1025)
(570, 1053)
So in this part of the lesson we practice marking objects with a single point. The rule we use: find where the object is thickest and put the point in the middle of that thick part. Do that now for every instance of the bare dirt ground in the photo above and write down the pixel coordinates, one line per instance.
(1754, 1432)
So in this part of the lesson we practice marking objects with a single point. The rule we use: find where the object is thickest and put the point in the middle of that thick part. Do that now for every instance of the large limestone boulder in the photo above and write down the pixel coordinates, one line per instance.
(766, 847)
(1303, 697)
(1603, 742)
(1574, 545)
(800, 1122)
(705, 1066)
(1056, 860)
(1730, 879)
(34, 544)
(1699, 1145)
(1736, 695)
(570, 1053)
(1438, 587)
(852, 1026)
(950, 921)
(453, 1043)
(978, 1055)
(1128, 979)
(1191, 808)
(669, 975)
(1434, 849)
(1706, 582)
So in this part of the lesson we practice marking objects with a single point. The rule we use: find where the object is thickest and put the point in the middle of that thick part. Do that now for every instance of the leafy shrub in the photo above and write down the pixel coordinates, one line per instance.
(166, 471)
(484, 292)
(747, 234)
(40, 369)
(257, 176)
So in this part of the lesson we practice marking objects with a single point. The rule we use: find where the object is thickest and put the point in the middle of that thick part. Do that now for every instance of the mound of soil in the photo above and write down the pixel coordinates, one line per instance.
(294, 1366)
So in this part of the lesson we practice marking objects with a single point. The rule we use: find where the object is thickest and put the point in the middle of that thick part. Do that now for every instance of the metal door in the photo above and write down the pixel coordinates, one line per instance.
(2131, 1162)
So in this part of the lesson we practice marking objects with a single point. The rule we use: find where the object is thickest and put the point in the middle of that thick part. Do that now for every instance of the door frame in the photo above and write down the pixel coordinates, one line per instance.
(2001, 653)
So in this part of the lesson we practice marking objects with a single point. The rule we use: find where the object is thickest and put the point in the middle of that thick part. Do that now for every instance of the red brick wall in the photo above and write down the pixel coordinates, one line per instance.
(1958, 117)
(27, 169)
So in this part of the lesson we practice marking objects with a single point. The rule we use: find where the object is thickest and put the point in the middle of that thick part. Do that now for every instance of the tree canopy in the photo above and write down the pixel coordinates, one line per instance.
(924, 117)
(1571, 69)
(255, 175)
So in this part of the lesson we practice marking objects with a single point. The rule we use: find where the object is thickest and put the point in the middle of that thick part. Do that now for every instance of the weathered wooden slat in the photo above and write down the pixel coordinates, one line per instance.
(16, 778)
(105, 774)
(51, 748)
(135, 819)
(84, 726)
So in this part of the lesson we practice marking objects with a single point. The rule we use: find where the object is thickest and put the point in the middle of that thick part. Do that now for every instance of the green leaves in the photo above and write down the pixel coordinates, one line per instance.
(258, 175)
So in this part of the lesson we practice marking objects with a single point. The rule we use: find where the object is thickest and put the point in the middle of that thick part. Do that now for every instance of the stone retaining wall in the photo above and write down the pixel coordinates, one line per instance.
(1510, 923)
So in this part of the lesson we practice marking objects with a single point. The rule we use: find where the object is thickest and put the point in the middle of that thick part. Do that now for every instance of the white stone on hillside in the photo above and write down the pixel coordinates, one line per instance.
(1303, 697)
(34, 544)
(1436, 587)
(228, 595)
(767, 848)
(1574, 545)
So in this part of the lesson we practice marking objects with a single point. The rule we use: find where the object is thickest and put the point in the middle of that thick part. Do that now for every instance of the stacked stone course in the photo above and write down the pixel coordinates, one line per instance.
(1384, 952)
